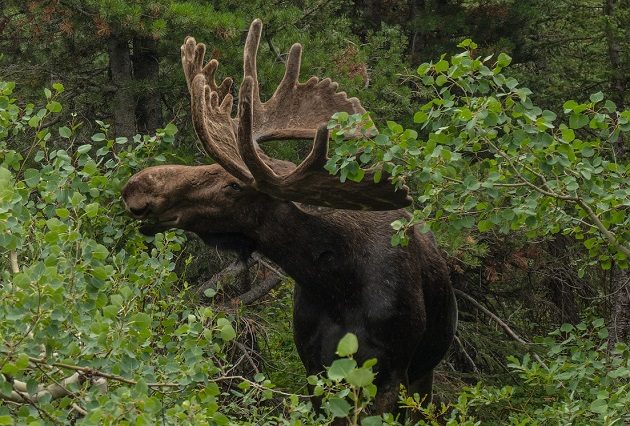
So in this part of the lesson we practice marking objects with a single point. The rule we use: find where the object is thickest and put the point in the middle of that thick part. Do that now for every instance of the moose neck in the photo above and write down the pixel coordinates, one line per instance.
(309, 247)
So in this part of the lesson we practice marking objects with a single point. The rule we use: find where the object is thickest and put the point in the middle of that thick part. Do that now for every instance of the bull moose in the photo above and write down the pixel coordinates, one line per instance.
(333, 238)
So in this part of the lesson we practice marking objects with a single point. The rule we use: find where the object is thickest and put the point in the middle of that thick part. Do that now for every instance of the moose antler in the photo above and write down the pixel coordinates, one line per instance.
(295, 111)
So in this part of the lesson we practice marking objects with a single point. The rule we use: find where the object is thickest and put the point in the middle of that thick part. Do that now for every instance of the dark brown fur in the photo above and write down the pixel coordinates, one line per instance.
(349, 278)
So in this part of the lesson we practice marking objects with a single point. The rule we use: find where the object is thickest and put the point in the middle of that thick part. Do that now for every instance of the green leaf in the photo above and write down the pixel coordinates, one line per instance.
(441, 66)
(378, 174)
(226, 330)
(58, 87)
(34, 121)
(597, 97)
(84, 148)
(141, 320)
(598, 322)
(100, 252)
(569, 106)
(98, 137)
(31, 177)
(53, 106)
(423, 68)
(170, 129)
(356, 175)
(6, 177)
(599, 406)
(91, 210)
(340, 368)
(372, 421)
(577, 120)
(63, 213)
(65, 132)
(348, 345)
(360, 377)
(381, 139)
(568, 135)
(504, 60)
(420, 117)
(484, 225)
(5, 419)
(338, 407)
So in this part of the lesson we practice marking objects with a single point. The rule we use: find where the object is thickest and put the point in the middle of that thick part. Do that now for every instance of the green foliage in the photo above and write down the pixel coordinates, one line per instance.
(579, 380)
(486, 156)
(85, 292)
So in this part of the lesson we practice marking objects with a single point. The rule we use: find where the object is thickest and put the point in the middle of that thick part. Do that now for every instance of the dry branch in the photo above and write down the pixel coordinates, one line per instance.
(499, 321)
(54, 391)
(257, 292)
(235, 271)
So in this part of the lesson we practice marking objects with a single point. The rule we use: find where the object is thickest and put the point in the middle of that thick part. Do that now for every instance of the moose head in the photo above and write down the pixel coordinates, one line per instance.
(349, 278)
(224, 197)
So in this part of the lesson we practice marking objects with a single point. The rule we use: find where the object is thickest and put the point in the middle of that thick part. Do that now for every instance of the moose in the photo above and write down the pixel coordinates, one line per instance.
(332, 238)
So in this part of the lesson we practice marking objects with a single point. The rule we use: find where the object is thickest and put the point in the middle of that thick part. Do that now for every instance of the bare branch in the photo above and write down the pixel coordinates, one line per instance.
(257, 292)
(499, 321)
(92, 372)
(227, 275)
(468, 357)
(13, 260)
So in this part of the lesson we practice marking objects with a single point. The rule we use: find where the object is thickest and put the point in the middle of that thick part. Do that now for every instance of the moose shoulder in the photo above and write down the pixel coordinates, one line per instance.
(397, 300)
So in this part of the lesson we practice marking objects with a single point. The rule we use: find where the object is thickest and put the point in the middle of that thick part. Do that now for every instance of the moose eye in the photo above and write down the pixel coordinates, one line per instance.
(235, 186)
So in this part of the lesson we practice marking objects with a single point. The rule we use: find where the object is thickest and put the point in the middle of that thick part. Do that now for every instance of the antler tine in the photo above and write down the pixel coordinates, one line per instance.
(192, 54)
(317, 158)
(292, 71)
(215, 127)
(261, 172)
(249, 56)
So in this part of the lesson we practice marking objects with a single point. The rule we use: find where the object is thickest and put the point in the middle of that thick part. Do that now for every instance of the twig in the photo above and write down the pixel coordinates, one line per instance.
(273, 48)
(245, 351)
(468, 357)
(92, 372)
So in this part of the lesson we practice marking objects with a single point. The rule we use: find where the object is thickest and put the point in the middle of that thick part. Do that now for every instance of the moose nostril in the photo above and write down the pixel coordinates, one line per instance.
(139, 211)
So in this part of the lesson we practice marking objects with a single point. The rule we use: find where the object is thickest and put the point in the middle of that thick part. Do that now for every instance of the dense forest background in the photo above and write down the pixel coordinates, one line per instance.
(112, 70)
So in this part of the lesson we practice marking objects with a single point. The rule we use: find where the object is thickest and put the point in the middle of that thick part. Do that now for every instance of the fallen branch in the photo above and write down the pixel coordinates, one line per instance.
(234, 271)
(257, 292)
(499, 321)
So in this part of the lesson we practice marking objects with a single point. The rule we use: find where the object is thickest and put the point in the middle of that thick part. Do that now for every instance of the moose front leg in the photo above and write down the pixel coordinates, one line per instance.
(388, 390)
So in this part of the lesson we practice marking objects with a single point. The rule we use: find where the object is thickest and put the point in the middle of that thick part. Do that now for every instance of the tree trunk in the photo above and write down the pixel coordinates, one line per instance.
(120, 73)
(617, 74)
(562, 281)
(620, 306)
(146, 68)
(617, 78)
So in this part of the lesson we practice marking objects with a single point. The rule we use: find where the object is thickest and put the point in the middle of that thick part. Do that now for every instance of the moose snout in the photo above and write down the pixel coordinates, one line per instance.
(136, 202)
(138, 211)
